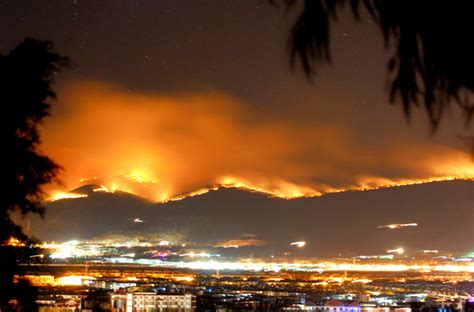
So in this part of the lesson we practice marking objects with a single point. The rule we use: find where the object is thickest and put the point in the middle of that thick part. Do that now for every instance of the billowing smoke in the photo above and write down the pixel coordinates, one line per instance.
(163, 146)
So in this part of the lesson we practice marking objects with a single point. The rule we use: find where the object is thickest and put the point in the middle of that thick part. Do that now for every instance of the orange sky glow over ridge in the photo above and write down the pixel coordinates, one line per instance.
(168, 146)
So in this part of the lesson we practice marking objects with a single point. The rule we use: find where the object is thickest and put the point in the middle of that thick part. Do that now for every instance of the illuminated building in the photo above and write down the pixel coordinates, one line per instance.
(151, 301)
(334, 305)
(56, 305)
(339, 306)
(38, 280)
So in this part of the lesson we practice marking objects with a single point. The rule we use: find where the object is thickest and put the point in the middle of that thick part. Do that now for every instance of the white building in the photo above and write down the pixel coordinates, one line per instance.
(151, 301)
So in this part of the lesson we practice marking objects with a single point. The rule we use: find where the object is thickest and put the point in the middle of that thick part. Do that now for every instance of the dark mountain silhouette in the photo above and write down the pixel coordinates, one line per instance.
(331, 224)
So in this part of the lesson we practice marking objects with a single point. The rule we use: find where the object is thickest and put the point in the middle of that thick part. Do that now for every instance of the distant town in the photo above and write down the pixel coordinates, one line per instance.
(166, 276)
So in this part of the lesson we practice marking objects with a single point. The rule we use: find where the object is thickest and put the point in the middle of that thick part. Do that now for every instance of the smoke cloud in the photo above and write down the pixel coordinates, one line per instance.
(164, 146)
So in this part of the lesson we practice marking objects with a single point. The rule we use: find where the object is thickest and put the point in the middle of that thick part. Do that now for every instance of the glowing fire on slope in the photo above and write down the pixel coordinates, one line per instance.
(178, 145)
(291, 193)
(14, 242)
(59, 195)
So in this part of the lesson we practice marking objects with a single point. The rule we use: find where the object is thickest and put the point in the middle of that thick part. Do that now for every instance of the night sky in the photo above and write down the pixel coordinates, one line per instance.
(170, 97)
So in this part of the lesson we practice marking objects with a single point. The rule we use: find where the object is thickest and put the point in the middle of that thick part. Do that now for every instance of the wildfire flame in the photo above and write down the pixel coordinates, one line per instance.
(14, 242)
(169, 147)
(59, 195)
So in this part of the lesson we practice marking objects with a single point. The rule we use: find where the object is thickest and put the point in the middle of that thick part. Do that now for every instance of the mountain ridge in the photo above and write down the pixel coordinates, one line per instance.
(331, 224)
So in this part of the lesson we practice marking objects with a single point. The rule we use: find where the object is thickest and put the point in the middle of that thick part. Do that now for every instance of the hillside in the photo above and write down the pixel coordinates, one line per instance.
(331, 224)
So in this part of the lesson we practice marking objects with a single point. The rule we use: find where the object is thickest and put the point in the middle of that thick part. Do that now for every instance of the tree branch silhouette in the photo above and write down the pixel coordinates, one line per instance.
(432, 62)
(27, 74)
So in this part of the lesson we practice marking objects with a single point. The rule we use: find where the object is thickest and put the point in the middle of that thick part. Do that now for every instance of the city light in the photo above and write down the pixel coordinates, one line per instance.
(397, 250)
(299, 244)
(73, 280)
(183, 278)
(397, 225)
(183, 166)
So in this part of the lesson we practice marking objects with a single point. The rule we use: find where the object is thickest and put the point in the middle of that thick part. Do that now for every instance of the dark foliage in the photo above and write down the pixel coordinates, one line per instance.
(26, 76)
(432, 63)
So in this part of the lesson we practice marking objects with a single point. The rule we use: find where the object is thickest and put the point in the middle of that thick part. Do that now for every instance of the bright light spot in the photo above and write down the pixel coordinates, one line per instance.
(299, 244)
(65, 195)
(362, 281)
(101, 189)
(73, 280)
(183, 278)
(72, 249)
(129, 255)
(395, 226)
(195, 255)
(397, 250)
(139, 176)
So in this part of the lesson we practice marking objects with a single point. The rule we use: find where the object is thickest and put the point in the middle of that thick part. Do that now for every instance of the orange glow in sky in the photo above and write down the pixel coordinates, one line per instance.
(167, 146)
